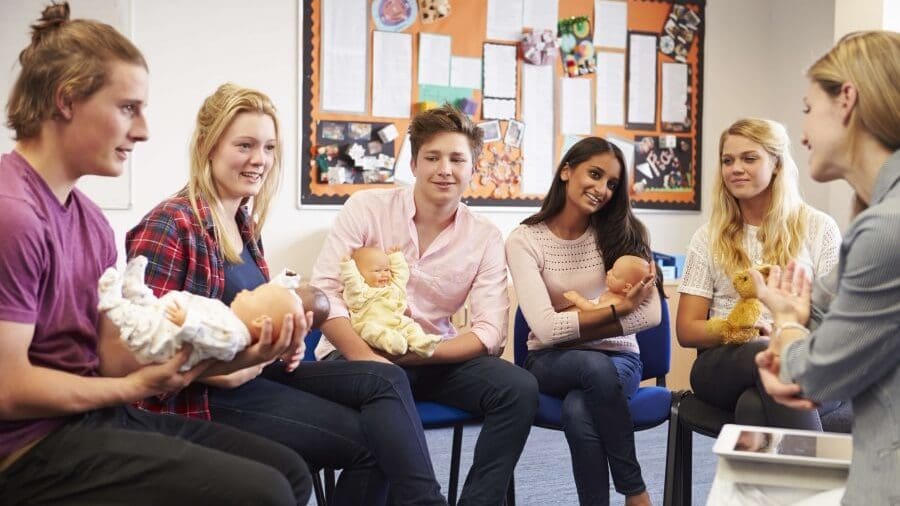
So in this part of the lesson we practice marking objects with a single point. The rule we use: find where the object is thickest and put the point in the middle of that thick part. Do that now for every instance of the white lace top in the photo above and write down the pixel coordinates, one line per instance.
(703, 277)
(543, 267)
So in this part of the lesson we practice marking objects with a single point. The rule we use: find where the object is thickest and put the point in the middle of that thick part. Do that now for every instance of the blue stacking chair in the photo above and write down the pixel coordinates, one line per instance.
(434, 415)
(649, 405)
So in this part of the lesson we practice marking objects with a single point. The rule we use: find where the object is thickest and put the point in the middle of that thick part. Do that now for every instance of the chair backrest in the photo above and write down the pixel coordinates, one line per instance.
(655, 345)
(311, 340)
(520, 338)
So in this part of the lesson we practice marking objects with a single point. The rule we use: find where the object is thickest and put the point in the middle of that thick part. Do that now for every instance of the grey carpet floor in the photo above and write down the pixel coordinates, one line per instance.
(544, 473)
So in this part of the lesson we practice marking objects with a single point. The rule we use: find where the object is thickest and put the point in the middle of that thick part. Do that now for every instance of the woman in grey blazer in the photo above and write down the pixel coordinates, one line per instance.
(852, 129)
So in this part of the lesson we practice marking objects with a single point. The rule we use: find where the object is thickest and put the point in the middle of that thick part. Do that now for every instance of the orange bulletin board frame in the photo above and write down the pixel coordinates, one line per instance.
(467, 25)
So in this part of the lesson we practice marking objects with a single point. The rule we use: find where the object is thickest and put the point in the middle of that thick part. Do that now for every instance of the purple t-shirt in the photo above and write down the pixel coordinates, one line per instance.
(51, 257)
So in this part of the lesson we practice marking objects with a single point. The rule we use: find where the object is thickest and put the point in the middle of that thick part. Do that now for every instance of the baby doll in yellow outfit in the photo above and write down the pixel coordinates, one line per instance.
(375, 293)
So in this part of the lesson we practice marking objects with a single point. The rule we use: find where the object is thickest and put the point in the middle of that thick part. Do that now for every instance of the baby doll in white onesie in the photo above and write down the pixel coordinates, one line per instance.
(154, 329)
(375, 293)
(626, 272)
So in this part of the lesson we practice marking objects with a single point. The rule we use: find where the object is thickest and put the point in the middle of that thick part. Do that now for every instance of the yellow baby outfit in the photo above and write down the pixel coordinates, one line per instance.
(376, 313)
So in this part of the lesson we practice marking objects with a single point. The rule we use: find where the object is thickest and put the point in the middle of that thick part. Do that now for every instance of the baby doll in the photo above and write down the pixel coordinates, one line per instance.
(375, 293)
(626, 272)
(154, 329)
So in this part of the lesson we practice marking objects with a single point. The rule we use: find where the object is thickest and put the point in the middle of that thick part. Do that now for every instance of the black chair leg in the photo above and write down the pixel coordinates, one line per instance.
(455, 452)
(318, 490)
(671, 489)
(687, 453)
(511, 492)
(329, 484)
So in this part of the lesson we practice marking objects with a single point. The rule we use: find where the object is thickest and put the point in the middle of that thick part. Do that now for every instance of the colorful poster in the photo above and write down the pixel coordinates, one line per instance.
(576, 46)
(349, 152)
(662, 164)
(393, 15)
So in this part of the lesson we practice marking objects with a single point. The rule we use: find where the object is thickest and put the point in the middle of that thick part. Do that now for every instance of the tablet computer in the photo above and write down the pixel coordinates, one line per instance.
(786, 446)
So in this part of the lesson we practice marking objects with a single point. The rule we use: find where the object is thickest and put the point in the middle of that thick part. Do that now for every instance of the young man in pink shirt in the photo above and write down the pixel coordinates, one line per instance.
(453, 256)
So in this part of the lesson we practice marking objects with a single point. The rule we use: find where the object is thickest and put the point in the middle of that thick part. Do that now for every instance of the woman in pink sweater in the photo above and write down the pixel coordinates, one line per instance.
(590, 359)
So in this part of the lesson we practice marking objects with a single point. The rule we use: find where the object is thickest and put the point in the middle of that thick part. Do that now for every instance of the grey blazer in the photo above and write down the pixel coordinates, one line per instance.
(854, 352)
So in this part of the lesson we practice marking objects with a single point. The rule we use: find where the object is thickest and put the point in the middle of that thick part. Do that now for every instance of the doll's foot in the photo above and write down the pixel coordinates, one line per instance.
(133, 284)
(109, 289)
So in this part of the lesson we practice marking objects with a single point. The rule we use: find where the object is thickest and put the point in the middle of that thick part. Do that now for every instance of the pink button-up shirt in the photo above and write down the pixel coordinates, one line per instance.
(466, 260)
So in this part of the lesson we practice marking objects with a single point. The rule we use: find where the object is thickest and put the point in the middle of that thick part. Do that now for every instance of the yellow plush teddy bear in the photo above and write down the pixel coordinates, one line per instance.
(738, 327)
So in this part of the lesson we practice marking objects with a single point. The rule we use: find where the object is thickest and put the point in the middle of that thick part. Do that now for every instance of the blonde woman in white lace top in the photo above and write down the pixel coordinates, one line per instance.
(758, 218)
(589, 359)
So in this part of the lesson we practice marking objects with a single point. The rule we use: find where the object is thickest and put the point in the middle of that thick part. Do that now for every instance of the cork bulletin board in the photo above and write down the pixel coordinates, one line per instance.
(630, 71)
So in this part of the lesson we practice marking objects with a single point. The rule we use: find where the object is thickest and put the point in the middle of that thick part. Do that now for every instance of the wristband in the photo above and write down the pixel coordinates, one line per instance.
(613, 308)
(790, 325)
(776, 334)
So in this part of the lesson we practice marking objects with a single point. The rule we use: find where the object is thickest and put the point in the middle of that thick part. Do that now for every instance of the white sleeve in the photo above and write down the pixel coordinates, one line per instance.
(698, 276)
(646, 316)
(826, 245)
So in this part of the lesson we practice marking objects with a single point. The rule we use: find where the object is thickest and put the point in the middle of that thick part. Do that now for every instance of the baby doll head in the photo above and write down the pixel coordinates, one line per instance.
(268, 299)
(628, 271)
(374, 265)
(316, 301)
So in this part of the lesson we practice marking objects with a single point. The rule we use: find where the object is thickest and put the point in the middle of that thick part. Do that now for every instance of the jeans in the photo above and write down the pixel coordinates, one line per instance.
(123, 455)
(505, 395)
(595, 387)
(726, 377)
(354, 416)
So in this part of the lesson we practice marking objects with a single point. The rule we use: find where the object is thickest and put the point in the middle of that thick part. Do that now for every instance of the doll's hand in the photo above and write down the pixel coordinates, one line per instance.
(392, 249)
(786, 294)
(175, 313)
(579, 302)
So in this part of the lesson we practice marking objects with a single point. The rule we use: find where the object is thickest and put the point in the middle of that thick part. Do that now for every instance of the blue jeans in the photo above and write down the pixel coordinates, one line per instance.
(354, 416)
(595, 387)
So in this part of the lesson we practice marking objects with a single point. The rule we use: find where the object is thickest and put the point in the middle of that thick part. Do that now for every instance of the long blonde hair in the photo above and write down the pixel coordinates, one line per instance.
(213, 119)
(871, 61)
(784, 225)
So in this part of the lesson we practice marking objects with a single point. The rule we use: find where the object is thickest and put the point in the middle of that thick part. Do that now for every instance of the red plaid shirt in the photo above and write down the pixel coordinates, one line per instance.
(182, 254)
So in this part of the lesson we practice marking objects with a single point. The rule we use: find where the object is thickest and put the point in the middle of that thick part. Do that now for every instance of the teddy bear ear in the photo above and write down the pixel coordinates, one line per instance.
(764, 270)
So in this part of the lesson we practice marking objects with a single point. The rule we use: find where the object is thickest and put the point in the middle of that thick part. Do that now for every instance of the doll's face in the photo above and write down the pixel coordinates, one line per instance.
(265, 300)
(374, 265)
(626, 272)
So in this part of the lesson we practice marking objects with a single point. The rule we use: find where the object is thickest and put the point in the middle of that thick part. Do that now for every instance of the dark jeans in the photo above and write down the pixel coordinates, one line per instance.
(595, 387)
(354, 416)
(505, 395)
(726, 377)
(123, 455)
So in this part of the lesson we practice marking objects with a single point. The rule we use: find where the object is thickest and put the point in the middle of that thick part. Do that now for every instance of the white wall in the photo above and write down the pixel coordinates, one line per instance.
(755, 53)
(794, 44)
(852, 16)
